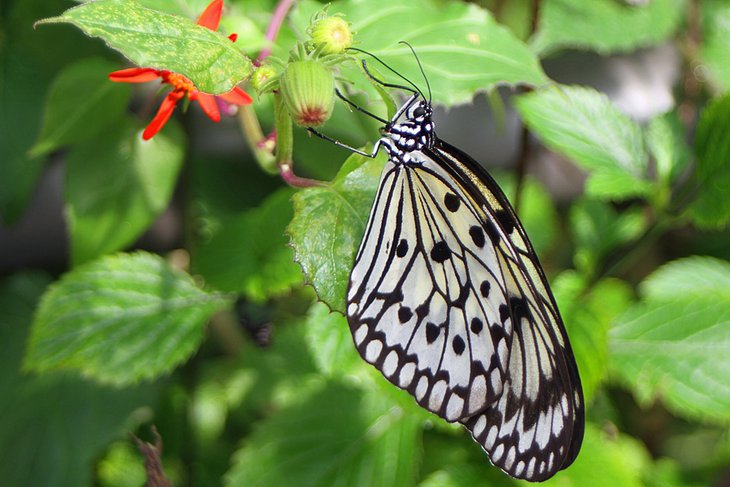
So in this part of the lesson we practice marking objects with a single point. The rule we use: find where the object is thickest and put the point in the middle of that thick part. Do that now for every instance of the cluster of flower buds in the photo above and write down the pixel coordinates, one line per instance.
(307, 81)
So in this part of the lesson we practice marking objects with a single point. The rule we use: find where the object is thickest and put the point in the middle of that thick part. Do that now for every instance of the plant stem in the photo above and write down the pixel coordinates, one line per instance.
(280, 13)
(285, 147)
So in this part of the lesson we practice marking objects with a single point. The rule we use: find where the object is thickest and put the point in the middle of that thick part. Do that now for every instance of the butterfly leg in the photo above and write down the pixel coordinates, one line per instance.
(357, 107)
(345, 146)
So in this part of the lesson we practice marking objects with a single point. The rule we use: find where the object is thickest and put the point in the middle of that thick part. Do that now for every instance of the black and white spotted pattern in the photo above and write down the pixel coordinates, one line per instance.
(448, 300)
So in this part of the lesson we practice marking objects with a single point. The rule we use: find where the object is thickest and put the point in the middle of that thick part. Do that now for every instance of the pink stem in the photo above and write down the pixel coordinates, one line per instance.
(282, 9)
(287, 174)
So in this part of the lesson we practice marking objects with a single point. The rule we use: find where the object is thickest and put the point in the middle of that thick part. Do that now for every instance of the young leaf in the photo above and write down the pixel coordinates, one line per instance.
(328, 224)
(461, 47)
(674, 344)
(120, 319)
(81, 104)
(582, 124)
(336, 436)
(116, 185)
(249, 254)
(711, 209)
(150, 38)
(605, 26)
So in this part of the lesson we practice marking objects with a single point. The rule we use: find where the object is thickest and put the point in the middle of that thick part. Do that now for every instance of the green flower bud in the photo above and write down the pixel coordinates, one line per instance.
(262, 77)
(308, 89)
(332, 34)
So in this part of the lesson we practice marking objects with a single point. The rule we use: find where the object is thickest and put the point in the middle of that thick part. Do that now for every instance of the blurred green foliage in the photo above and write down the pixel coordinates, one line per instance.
(124, 339)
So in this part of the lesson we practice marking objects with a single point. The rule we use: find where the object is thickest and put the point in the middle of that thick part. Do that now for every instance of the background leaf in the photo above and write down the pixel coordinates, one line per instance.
(711, 208)
(330, 341)
(82, 102)
(249, 253)
(714, 54)
(116, 185)
(582, 124)
(605, 26)
(461, 47)
(338, 435)
(673, 344)
(152, 39)
(333, 217)
(120, 319)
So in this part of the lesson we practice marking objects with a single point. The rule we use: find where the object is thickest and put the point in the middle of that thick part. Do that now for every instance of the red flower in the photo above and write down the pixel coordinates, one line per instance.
(181, 85)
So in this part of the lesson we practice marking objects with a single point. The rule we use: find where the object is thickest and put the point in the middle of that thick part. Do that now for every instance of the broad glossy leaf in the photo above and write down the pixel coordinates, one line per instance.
(150, 38)
(711, 208)
(120, 319)
(606, 26)
(328, 224)
(582, 124)
(673, 345)
(116, 185)
(249, 253)
(461, 47)
(336, 436)
(82, 103)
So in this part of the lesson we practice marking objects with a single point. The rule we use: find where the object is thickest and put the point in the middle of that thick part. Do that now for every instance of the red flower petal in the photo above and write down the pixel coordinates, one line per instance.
(209, 105)
(163, 114)
(211, 16)
(134, 75)
(237, 97)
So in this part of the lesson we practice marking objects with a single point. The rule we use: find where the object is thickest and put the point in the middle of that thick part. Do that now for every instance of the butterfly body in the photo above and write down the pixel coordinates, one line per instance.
(448, 300)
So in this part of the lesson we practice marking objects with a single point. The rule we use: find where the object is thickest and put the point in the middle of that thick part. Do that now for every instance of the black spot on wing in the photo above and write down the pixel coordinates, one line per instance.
(440, 252)
(402, 248)
(458, 344)
(484, 288)
(476, 325)
(432, 332)
(452, 202)
(404, 314)
(477, 235)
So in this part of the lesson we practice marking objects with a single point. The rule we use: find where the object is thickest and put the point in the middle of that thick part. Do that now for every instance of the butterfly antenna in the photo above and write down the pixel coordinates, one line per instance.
(390, 69)
(418, 61)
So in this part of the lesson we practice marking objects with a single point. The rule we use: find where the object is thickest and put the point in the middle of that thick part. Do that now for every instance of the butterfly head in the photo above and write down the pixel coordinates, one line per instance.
(411, 132)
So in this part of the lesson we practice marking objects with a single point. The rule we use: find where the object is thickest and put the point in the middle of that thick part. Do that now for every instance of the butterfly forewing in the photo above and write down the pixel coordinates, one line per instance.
(426, 306)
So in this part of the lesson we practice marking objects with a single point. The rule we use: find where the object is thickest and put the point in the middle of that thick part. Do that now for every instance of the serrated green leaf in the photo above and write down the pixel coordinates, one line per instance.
(713, 52)
(150, 38)
(82, 103)
(666, 141)
(461, 47)
(711, 209)
(588, 314)
(338, 436)
(120, 319)
(674, 343)
(605, 26)
(328, 224)
(249, 254)
(582, 124)
(54, 427)
(605, 460)
(116, 185)
(329, 339)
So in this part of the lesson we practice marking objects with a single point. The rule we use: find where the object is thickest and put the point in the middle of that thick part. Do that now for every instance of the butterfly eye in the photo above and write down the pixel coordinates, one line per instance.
(419, 112)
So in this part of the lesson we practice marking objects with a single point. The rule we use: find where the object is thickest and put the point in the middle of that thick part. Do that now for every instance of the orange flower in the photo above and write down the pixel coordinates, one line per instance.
(181, 85)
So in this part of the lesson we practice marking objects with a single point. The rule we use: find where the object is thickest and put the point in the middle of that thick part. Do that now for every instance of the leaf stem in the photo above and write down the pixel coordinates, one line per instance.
(285, 147)
(280, 13)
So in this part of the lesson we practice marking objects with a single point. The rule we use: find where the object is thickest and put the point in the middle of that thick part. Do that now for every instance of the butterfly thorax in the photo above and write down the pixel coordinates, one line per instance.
(411, 134)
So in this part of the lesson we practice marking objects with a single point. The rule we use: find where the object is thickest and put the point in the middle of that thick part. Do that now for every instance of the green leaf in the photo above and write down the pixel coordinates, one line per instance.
(674, 343)
(588, 313)
(82, 103)
(599, 230)
(582, 124)
(666, 140)
(150, 38)
(337, 436)
(120, 319)
(329, 339)
(116, 185)
(711, 209)
(249, 253)
(328, 224)
(605, 26)
(54, 427)
(714, 54)
(461, 47)
(606, 460)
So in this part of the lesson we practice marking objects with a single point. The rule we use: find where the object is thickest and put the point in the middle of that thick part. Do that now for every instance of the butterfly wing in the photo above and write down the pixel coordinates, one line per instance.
(536, 427)
(425, 305)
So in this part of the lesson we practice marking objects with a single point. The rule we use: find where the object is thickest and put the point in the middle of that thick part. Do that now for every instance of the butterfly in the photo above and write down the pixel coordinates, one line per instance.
(448, 300)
